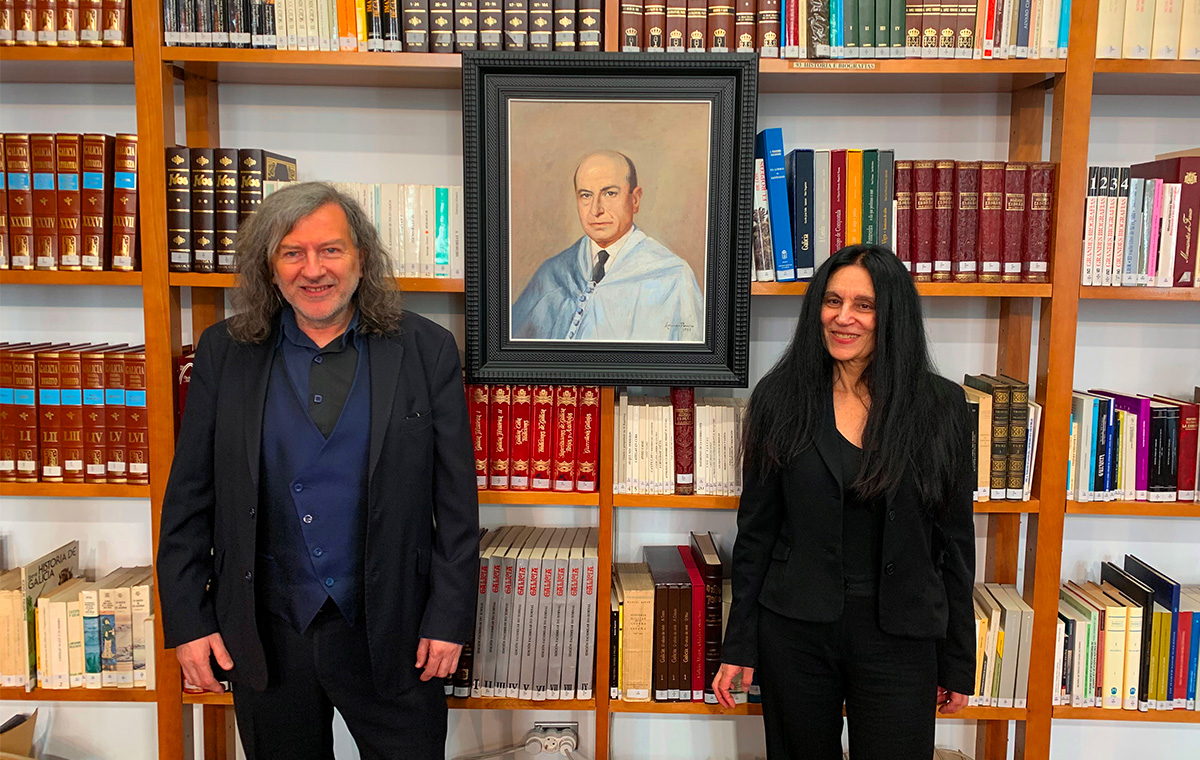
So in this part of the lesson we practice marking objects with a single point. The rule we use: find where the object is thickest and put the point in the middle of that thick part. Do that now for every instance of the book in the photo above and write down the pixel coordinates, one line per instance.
(38, 578)
(769, 147)
(637, 630)
(672, 607)
(683, 409)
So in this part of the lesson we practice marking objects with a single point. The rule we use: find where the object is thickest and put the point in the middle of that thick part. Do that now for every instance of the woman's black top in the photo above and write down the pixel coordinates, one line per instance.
(862, 528)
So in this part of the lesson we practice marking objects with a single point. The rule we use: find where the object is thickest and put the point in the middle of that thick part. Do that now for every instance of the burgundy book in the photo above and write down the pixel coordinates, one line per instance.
(720, 26)
(125, 205)
(683, 409)
(113, 30)
(95, 457)
(542, 438)
(676, 26)
(49, 418)
(68, 150)
(697, 26)
(1039, 209)
(1189, 429)
(923, 190)
(137, 421)
(655, 15)
(183, 380)
(3, 209)
(97, 192)
(632, 39)
(8, 412)
(587, 439)
(1186, 171)
(708, 561)
(522, 443)
(20, 201)
(566, 398)
(70, 373)
(45, 201)
(68, 23)
(964, 242)
(903, 179)
(25, 413)
(991, 219)
(943, 220)
(695, 650)
(744, 24)
(116, 445)
(1014, 221)
(767, 28)
(837, 200)
(499, 442)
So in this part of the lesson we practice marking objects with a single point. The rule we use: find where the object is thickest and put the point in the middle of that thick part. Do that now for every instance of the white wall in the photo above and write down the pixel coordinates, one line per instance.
(377, 135)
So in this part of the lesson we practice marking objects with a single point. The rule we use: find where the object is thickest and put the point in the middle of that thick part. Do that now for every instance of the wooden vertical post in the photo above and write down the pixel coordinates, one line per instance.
(202, 112)
(604, 575)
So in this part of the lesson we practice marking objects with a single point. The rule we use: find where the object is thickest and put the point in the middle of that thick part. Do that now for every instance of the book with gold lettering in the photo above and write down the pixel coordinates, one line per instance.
(20, 201)
(179, 210)
(97, 193)
(45, 201)
(522, 443)
(542, 435)
(225, 175)
(499, 425)
(254, 166)
(123, 256)
(565, 412)
(137, 421)
(204, 222)
(116, 443)
(477, 410)
(587, 439)
(68, 149)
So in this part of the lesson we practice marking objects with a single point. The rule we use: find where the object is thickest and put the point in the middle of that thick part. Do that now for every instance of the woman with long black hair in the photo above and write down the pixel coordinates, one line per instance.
(855, 552)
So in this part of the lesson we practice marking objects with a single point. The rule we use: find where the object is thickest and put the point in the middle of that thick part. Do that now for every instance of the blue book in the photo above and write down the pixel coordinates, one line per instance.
(1064, 28)
(835, 29)
(1193, 655)
(799, 169)
(1097, 453)
(1109, 448)
(1133, 236)
(1166, 593)
(769, 147)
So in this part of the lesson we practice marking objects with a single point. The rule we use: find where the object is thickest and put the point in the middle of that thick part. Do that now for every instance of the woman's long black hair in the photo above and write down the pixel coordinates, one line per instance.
(911, 424)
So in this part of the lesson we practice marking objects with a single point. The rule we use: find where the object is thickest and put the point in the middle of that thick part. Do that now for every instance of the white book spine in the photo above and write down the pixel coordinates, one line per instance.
(587, 621)
(1139, 29)
(1189, 35)
(457, 234)
(558, 625)
(1060, 638)
(427, 229)
(1168, 235)
(481, 623)
(141, 600)
(541, 665)
(571, 634)
(516, 634)
(1168, 19)
(529, 627)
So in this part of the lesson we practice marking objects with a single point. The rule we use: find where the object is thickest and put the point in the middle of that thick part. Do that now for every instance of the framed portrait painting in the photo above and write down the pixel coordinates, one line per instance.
(608, 217)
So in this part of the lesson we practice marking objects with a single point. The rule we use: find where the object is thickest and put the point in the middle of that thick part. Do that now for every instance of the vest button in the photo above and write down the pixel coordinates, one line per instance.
(249, 575)
(253, 512)
(890, 569)
(328, 582)
(318, 552)
(891, 514)
(307, 519)
(318, 359)
(298, 487)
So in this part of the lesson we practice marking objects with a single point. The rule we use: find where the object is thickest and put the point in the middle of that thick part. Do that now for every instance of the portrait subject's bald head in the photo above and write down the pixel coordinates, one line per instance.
(607, 195)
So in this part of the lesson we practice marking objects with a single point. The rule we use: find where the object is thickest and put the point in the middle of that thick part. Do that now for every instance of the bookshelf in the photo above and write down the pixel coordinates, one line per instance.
(155, 71)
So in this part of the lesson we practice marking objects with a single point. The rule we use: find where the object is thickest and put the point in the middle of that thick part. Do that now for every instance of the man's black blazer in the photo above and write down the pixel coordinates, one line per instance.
(788, 554)
(419, 581)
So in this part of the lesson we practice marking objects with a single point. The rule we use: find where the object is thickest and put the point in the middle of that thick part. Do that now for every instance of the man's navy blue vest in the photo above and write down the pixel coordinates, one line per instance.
(314, 494)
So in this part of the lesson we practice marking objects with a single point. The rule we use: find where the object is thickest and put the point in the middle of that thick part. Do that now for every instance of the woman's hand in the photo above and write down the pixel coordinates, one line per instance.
(724, 681)
(949, 701)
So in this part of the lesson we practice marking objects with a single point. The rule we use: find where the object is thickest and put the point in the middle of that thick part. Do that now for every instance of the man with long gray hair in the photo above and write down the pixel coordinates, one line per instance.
(319, 536)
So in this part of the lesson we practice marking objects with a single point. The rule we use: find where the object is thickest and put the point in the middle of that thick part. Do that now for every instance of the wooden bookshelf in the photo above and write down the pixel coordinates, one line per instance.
(42, 277)
(904, 75)
(1143, 77)
(702, 708)
(77, 695)
(222, 280)
(314, 69)
(1140, 294)
(208, 698)
(62, 65)
(1008, 507)
(1135, 508)
(563, 498)
(958, 289)
(76, 490)
(1152, 716)
(671, 501)
(500, 703)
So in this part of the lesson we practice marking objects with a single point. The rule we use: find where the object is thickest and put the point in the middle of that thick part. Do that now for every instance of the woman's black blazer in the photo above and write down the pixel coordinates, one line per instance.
(788, 554)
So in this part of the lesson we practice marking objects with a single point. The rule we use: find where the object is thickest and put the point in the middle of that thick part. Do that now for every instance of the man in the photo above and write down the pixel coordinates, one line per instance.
(319, 535)
(615, 282)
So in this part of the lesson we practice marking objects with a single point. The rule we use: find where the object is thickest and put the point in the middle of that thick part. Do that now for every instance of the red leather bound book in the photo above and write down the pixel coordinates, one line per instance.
(677, 11)
(49, 419)
(943, 220)
(697, 26)
(837, 200)
(25, 413)
(655, 16)
(137, 420)
(720, 26)
(477, 409)
(923, 191)
(632, 38)
(696, 658)
(68, 150)
(115, 416)
(1186, 171)
(587, 439)
(8, 414)
(68, 23)
(708, 562)
(1014, 220)
(903, 179)
(683, 412)
(991, 219)
(499, 424)
(522, 444)
(964, 243)
(1038, 211)
(45, 202)
(97, 194)
(95, 452)
(767, 28)
(4, 263)
(70, 373)
(542, 439)
(744, 24)
(566, 398)
(124, 213)
(20, 201)
(183, 380)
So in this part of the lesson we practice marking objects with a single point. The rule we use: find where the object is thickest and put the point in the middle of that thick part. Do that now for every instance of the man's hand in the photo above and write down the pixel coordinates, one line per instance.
(950, 701)
(193, 658)
(438, 658)
(724, 680)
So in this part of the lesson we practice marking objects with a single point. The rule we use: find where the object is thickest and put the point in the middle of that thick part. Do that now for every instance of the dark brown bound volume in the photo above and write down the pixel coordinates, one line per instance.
(49, 418)
(904, 199)
(683, 405)
(672, 592)
(137, 421)
(226, 176)
(1038, 209)
(743, 26)
(96, 222)
(697, 26)
(4, 263)
(767, 28)
(943, 220)
(966, 221)
(656, 25)
(441, 26)
(676, 29)
(70, 243)
(541, 25)
(89, 23)
(95, 457)
(8, 418)
(204, 224)
(25, 413)
(708, 561)
(22, 22)
(590, 23)
(70, 373)
(922, 250)
(115, 442)
(1014, 220)
(45, 201)
(631, 26)
(914, 11)
(123, 257)
(1018, 434)
(20, 201)
(255, 166)
(466, 25)
(516, 24)
(179, 211)
(991, 219)
(999, 392)
(46, 11)
(817, 28)
(491, 24)
(564, 26)
(416, 25)
(720, 26)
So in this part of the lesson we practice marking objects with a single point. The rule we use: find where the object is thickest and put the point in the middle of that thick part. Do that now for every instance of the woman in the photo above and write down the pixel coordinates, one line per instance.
(855, 553)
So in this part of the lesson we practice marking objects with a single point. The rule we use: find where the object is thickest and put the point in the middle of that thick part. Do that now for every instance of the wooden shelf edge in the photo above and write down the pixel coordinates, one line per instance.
(1007, 507)
(938, 289)
(1134, 509)
(671, 501)
(813, 66)
(1062, 712)
(75, 490)
(223, 280)
(1130, 66)
(42, 277)
(1099, 292)
(110, 694)
(568, 498)
(702, 708)
(312, 58)
(74, 55)
(501, 703)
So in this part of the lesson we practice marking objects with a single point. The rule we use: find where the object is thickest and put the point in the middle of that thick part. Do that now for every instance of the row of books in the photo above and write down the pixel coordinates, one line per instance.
(210, 191)
(414, 26)
(421, 226)
(666, 622)
(947, 221)
(1005, 435)
(73, 413)
(535, 617)
(1131, 641)
(678, 444)
(1129, 447)
(62, 23)
(535, 437)
(1160, 30)
(1004, 639)
(62, 631)
(69, 201)
(1139, 224)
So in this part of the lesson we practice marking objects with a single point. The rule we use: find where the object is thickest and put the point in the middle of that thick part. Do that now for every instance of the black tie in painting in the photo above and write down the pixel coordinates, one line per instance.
(598, 270)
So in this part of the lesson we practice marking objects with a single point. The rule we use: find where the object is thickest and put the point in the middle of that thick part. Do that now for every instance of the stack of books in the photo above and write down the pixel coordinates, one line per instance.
(1004, 638)
(1158, 30)
(1004, 436)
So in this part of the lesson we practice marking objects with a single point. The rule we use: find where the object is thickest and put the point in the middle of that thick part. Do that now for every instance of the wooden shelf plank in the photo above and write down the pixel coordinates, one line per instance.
(56, 65)
(221, 280)
(341, 69)
(958, 289)
(76, 695)
(904, 75)
(1140, 294)
(208, 698)
(701, 708)
(41, 277)
(76, 490)
(671, 501)
(1153, 716)
(588, 705)
(1007, 507)
(1140, 77)
(1134, 508)
(569, 498)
